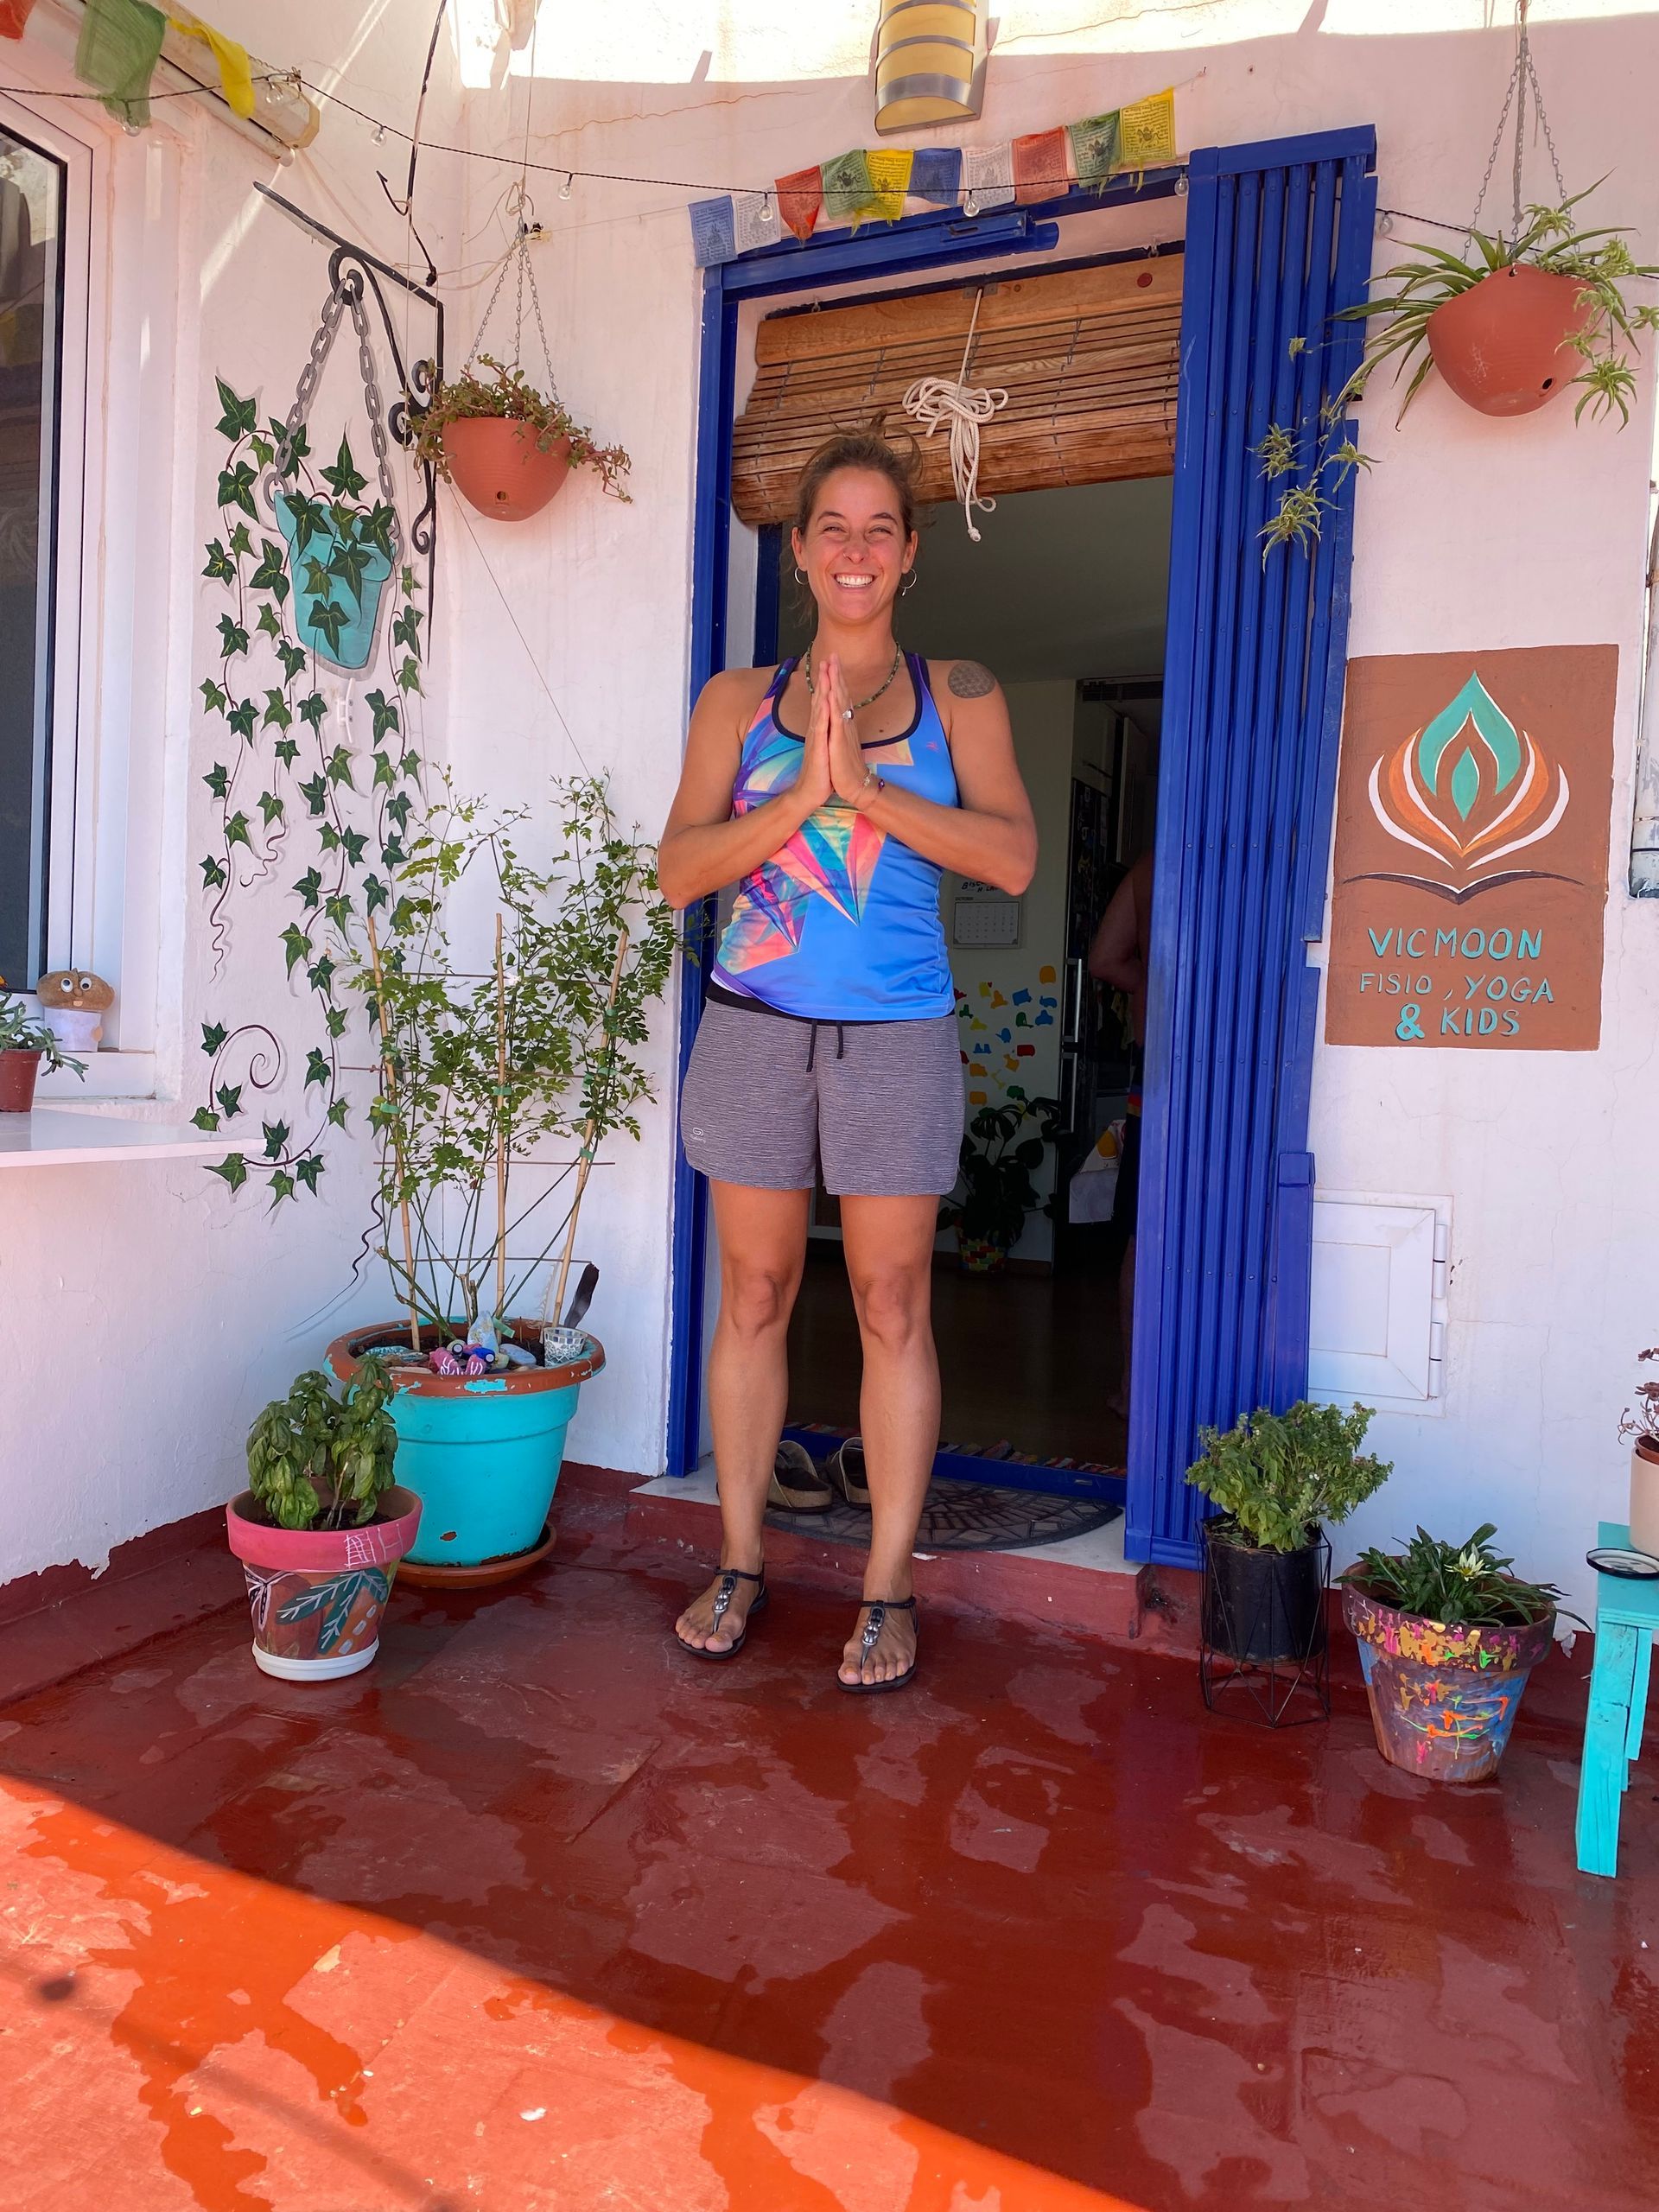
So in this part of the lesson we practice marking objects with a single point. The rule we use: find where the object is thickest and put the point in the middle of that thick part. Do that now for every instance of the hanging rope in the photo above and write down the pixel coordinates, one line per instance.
(931, 401)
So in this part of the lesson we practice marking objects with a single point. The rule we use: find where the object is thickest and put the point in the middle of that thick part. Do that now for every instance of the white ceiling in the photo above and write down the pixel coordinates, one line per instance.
(1062, 583)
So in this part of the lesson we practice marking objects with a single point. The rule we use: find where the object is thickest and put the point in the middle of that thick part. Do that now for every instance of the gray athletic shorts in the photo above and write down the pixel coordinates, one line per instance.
(879, 1103)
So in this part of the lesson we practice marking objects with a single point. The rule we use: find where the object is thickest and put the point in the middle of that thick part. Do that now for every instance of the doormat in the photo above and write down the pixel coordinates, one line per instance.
(958, 1515)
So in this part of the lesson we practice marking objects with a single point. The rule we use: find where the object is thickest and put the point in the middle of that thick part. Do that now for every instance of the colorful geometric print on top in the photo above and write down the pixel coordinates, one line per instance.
(842, 924)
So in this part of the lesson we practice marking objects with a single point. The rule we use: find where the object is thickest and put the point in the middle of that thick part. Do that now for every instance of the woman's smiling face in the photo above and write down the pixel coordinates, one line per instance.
(854, 549)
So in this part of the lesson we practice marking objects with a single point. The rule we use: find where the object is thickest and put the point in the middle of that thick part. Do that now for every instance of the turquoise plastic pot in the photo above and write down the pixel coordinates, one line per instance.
(481, 1453)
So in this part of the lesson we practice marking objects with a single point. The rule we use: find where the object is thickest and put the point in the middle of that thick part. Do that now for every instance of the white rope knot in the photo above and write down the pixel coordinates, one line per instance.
(932, 401)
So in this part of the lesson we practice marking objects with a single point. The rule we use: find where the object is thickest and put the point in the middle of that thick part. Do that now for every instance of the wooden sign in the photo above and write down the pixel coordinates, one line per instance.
(1472, 810)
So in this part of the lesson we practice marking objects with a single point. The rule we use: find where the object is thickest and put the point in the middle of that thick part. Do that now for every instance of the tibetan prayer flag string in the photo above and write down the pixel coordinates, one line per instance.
(987, 177)
(1095, 148)
(120, 44)
(754, 221)
(1042, 166)
(235, 71)
(846, 187)
(713, 230)
(1146, 133)
(14, 14)
(936, 175)
(800, 199)
(889, 170)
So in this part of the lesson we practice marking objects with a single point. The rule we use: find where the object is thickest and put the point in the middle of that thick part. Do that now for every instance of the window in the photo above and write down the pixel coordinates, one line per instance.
(31, 330)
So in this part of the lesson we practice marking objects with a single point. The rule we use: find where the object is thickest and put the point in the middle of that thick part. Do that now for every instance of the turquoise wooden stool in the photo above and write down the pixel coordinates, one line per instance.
(1627, 1616)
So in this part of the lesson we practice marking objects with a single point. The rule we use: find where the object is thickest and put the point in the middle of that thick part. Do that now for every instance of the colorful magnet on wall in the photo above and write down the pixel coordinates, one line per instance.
(1044, 1021)
(1046, 976)
(1022, 998)
(977, 1098)
(997, 999)
(1026, 1052)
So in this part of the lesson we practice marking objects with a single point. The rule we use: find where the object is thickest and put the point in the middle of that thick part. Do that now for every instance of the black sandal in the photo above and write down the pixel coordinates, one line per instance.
(879, 1610)
(729, 1578)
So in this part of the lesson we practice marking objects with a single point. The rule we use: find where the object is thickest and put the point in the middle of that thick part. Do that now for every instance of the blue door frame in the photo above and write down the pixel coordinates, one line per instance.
(933, 241)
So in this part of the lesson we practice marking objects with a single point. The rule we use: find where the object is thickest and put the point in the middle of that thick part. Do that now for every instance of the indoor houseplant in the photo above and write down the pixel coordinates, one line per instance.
(506, 1070)
(320, 1528)
(1511, 322)
(505, 447)
(1277, 1477)
(25, 1041)
(995, 1191)
(1640, 1428)
(1448, 1636)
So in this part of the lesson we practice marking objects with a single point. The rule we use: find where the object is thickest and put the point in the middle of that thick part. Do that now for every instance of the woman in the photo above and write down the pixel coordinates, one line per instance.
(832, 790)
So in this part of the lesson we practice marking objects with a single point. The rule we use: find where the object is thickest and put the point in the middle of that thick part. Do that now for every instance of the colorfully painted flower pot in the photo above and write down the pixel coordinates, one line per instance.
(497, 468)
(18, 1074)
(1443, 1698)
(317, 1594)
(481, 1453)
(981, 1255)
(1506, 345)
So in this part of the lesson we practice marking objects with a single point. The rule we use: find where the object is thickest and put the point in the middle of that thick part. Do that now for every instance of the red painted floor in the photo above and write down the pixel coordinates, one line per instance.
(541, 1914)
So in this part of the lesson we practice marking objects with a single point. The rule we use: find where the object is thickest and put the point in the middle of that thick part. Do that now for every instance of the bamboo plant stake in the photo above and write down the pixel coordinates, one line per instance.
(584, 1166)
(389, 1076)
(500, 1132)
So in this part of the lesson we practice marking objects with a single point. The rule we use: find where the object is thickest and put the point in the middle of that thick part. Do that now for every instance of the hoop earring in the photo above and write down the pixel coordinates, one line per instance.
(800, 575)
(909, 583)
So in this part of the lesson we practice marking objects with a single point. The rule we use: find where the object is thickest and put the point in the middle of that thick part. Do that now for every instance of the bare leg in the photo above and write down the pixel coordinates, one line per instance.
(762, 1252)
(889, 1244)
(1119, 1400)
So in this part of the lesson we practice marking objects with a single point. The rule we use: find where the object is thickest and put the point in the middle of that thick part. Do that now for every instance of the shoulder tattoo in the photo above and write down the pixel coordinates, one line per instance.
(968, 680)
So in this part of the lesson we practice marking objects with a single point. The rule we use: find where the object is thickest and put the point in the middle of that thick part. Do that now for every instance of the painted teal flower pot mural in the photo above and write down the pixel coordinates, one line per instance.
(341, 557)
(483, 1453)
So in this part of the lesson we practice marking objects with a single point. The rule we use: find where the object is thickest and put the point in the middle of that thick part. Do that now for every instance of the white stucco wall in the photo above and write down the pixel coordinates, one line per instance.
(567, 641)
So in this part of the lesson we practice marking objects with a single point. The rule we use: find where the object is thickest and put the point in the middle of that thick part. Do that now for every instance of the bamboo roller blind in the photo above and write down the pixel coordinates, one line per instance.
(1088, 358)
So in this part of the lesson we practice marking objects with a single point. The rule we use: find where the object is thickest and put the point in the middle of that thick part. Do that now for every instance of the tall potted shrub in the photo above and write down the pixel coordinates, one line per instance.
(1447, 1637)
(321, 1526)
(1639, 1425)
(1277, 1477)
(484, 1064)
(1002, 1150)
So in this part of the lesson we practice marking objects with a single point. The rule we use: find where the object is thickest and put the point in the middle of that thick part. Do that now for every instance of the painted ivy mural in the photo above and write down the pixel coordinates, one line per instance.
(316, 770)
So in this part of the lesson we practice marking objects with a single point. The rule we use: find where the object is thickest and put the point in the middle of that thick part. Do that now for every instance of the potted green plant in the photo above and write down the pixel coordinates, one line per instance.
(1277, 1478)
(484, 1066)
(507, 447)
(1639, 1426)
(995, 1191)
(1447, 1637)
(25, 1042)
(1509, 323)
(321, 1526)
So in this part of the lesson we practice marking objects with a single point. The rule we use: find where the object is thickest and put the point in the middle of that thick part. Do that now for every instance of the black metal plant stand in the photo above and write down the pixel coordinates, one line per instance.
(1265, 1652)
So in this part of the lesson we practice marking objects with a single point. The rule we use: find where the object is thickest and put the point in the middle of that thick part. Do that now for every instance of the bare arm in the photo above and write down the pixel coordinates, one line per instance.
(704, 846)
(1115, 955)
(991, 835)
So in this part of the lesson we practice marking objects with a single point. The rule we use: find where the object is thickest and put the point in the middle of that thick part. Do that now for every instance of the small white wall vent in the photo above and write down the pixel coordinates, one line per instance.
(1377, 1312)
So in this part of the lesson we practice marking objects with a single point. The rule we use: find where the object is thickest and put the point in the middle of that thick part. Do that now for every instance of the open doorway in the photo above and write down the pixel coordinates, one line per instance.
(1064, 599)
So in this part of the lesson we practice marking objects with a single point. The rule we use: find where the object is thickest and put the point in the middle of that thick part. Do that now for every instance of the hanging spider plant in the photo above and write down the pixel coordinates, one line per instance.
(1590, 319)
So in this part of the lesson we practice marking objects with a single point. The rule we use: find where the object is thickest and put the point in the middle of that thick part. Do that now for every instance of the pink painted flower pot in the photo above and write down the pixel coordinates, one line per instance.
(1443, 1700)
(317, 1595)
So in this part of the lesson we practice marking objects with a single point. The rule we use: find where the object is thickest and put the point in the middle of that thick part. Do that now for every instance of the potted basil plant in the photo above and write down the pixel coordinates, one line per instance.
(321, 1526)
(1277, 1477)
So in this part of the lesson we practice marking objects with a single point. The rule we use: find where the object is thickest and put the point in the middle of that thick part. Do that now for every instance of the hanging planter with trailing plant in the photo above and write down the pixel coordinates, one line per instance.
(506, 445)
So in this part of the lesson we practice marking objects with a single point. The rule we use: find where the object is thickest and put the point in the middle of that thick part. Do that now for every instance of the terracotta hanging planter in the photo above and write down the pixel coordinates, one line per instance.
(1505, 345)
(496, 465)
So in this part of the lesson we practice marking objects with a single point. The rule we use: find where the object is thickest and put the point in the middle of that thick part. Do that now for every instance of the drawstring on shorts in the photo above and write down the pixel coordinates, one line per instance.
(812, 1043)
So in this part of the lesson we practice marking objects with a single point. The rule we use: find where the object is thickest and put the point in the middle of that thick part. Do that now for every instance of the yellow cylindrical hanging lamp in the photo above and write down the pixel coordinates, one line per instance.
(930, 63)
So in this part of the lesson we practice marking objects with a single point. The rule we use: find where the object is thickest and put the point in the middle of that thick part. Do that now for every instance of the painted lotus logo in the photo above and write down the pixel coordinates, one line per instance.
(1469, 791)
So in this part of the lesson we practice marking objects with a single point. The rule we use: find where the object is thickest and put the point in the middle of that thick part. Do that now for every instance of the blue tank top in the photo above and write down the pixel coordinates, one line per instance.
(842, 924)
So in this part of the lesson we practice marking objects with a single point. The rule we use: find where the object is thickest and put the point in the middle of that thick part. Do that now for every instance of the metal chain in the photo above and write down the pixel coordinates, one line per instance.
(1522, 75)
(344, 295)
(376, 412)
(517, 258)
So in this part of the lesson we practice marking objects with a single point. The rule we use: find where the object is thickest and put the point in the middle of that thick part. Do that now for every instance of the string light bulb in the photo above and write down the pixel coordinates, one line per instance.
(379, 134)
(1384, 222)
(564, 189)
(766, 207)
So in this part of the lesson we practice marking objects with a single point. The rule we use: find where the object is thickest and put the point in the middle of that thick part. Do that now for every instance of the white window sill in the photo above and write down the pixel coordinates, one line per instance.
(47, 1138)
(109, 1074)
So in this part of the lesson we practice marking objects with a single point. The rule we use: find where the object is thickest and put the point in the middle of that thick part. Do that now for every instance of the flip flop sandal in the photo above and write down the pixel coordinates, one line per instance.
(729, 1578)
(795, 1485)
(880, 1608)
(845, 1471)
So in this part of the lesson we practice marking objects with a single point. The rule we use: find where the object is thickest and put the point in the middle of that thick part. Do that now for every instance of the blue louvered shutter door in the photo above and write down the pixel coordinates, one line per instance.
(1279, 238)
